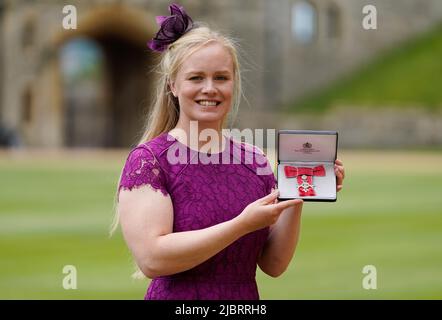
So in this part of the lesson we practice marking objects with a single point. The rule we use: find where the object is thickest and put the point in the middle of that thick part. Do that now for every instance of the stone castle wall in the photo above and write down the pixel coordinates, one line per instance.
(277, 68)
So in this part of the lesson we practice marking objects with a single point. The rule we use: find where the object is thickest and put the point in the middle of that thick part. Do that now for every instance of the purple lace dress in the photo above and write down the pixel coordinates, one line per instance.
(204, 195)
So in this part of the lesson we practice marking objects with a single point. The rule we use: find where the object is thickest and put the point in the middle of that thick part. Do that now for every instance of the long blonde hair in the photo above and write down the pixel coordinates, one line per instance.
(164, 111)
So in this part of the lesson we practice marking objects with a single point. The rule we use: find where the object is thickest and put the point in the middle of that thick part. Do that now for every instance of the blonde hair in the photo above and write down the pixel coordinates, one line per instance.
(164, 112)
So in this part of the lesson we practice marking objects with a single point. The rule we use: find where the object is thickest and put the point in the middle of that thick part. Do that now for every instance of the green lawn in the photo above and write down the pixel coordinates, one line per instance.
(56, 212)
(409, 75)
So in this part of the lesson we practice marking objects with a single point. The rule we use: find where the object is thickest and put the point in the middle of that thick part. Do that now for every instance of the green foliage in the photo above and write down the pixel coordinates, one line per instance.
(409, 75)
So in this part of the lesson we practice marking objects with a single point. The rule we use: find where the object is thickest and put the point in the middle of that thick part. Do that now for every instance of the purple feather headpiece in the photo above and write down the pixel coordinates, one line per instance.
(171, 28)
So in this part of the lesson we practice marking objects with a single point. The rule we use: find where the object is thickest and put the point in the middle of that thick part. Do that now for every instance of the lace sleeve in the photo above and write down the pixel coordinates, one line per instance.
(264, 169)
(271, 183)
(269, 179)
(142, 168)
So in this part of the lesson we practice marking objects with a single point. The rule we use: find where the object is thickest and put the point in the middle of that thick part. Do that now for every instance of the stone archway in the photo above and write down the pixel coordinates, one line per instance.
(115, 120)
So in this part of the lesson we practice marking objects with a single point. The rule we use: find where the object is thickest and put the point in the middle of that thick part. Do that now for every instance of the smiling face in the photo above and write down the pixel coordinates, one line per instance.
(204, 85)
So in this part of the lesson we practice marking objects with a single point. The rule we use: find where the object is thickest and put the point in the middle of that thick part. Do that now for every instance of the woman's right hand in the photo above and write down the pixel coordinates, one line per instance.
(264, 211)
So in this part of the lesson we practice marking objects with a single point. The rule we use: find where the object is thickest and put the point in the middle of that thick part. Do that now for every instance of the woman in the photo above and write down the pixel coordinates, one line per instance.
(200, 229)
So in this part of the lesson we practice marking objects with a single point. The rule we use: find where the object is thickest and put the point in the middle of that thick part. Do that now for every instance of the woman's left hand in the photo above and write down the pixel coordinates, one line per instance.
(340, 174)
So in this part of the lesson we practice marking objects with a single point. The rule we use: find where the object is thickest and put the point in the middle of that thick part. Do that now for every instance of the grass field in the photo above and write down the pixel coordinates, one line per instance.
(55, 211)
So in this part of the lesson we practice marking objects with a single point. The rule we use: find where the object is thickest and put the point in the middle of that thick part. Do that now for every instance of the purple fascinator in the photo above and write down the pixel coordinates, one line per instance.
(171, 28)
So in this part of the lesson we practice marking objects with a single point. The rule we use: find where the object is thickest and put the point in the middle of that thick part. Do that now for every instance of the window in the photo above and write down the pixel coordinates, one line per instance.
(304, 22)
(28, 33)
(27, 105)
(333, 22)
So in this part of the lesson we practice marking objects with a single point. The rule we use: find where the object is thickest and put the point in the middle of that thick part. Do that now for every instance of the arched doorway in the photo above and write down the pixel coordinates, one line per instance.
(105, 83)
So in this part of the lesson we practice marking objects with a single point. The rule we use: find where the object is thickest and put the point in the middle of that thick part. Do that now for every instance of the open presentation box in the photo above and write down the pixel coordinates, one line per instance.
(305, 165)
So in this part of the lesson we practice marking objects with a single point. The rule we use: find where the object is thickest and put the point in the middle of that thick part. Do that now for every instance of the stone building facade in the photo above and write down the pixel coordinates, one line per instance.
(288, 48)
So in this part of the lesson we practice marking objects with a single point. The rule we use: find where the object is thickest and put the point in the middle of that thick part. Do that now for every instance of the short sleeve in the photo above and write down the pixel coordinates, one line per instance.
(270, 182)
(264, 169)
(269, 179)
(142, 168)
